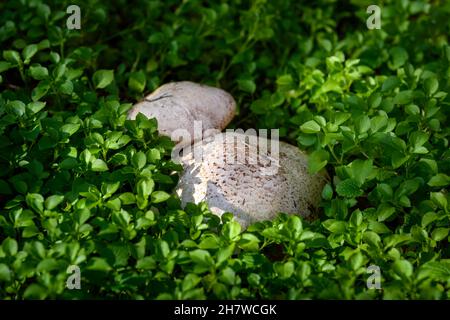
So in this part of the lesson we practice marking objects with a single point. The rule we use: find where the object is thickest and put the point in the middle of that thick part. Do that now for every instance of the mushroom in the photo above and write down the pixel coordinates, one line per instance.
(187, 111)
(232, 172)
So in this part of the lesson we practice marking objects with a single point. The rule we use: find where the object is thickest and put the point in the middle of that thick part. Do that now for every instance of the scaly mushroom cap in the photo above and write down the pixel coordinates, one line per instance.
(231, 176)
(178, 105)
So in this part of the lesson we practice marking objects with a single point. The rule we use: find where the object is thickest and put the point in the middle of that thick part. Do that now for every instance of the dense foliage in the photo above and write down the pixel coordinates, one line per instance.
(81, 185)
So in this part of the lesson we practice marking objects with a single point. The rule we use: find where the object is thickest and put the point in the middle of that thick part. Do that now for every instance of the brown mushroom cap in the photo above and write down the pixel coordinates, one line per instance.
(249, 187)
(178, 105)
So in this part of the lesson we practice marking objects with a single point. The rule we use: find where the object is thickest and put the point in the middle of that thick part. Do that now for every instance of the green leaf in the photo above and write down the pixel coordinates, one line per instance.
(59, 71)
(47, 265)
(254, 279)
(40, 91)
(418, 138)
(224, 254)
(190, 281)
(375, 100)
(29, 52)
(295, 226)
(428, 218)
(4, 65)
(137, 81)
(439, 199)
(285, 80)
(390, 83)
(249, 242)
(38, 72)
(127, 198)
(66, 87)
(86, 156)
(356, 260)
(159, 196)
(335, 226)
(35, 201)
(403, 268)
(310, 127)
(145, 187)
(397, 239)
(363, 124)
(139, 160)
(439, 180)
(439, 234)
(201, 257)
(398, 159)
(53, 201)
(361, 170)
(10, 246)
(114, 204)
(284, 270)
(54, 57)
(385, 212)
(231, 230)
(103, 78)
(317, 160)
(121, 217)
(39, 249)
(82, 215)
(436, 270)
(356, 218)
(12, 56)
(109, 188)
(154, 155)
(399, 57)
(146, 263)
(35, 291)
(70, 128)
(348, 188)
(403, 97)
(327, 192)
(35, 107)
(247, 85)
(68, 163)
(412, 109)
(431, 86)
(372, 239)
(5, 273)
(99, 264)
(17, 107)
(99, 165)
(209, 242)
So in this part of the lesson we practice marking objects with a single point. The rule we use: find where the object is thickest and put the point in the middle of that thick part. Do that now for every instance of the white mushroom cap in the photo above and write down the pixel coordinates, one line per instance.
(179, 106)
(249, 187)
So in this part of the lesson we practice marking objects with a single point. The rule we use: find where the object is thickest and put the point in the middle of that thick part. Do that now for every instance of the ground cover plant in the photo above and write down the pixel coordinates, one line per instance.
(82, 186)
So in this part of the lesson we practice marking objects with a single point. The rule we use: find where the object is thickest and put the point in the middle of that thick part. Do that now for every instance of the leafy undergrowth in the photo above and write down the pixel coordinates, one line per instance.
(80, 185)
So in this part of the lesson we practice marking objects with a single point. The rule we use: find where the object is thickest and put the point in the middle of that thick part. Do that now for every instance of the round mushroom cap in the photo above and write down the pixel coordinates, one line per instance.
(252, 177)
(187, 111)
